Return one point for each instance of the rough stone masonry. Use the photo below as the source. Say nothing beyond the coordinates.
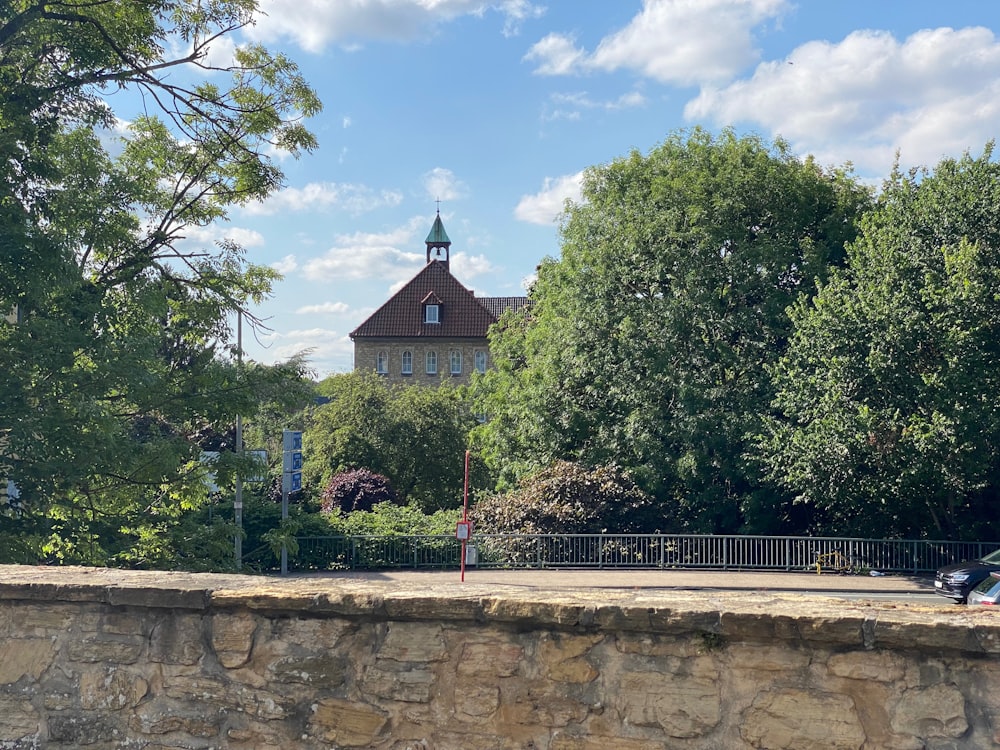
(101, 659)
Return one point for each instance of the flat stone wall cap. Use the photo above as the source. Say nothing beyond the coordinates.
(743, 614)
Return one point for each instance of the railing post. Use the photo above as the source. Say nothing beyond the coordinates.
(600, 551)
(354, 553)
(662, 550)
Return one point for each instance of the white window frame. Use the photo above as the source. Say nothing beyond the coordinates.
(431, 362)
(480, 361)
(406, 363)
(382, 362)
(455, 361)
(432, 313)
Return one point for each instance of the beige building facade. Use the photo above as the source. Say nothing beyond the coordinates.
(433, 330)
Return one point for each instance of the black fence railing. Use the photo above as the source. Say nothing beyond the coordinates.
(650, 551)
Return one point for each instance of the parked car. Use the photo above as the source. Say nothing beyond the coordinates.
(956, 581)
(987, 592)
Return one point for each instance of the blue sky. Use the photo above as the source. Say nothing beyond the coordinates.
(495, 108)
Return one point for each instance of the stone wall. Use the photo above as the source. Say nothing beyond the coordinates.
(100, 659)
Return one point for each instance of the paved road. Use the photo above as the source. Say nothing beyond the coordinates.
(887, 586)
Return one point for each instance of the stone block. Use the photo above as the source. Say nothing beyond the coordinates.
(232, 638)
(346, 724)
(323, 670)
(881, 666)
(111, 689)
(682, 706)
(930, 713)
(18, 720)
(413, 642)
(104, 651)
(798, 719)
(400, 682)
(177, 639)
(490, 659)
(20, 657)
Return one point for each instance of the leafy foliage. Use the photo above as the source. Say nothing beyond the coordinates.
(356, 489)
(568, 498)
(390, 519)
(648, 340)
(118, 351)
(887, 419)
(414, 436)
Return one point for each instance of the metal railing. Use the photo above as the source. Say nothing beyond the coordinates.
(650, 551)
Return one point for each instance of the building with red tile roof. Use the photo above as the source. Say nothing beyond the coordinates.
(433, 330)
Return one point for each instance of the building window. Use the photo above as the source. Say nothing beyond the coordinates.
(431, 314)
(407, 363)
(432, 363)
(456, 362)
(480, 361)
(382, 363)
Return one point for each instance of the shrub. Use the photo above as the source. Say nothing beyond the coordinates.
(569, 498)
(356, 489)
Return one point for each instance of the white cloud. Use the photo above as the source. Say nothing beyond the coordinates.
(517, 11)
(314, 24)
(355, 199)
(441, 184)
(546, 206)
(221, 53)
(286, 265)
(464, 266)
(671, 41)
(326, 308)
(327, 351)
(569, 106)
(362, 255)
(556, 55)
(215, 233)
(935, 94)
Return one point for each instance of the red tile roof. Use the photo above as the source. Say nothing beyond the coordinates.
(462, 315)
(497, 305)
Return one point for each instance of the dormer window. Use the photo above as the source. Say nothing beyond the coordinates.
(432, 308)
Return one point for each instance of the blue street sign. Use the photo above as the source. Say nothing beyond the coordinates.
(291, 481)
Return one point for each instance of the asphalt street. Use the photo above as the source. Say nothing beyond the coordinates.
(890, 586)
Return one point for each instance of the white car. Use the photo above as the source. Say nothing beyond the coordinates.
(986, 591)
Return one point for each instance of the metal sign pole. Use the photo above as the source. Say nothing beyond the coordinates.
(465, 512)
(291, 479)
(238, 502)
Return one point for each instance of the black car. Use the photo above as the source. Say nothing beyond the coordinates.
(956, 581)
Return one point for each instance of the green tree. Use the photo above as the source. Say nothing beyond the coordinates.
(118, 351)
(414, 435)
(887, 417)
(647, 340)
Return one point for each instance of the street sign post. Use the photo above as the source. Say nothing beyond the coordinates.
(291, 478)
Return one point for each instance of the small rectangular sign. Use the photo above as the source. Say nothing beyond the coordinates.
(291, 440)
(291, 481)
(292, 461)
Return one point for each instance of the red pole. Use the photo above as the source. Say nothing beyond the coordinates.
(465, 510)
